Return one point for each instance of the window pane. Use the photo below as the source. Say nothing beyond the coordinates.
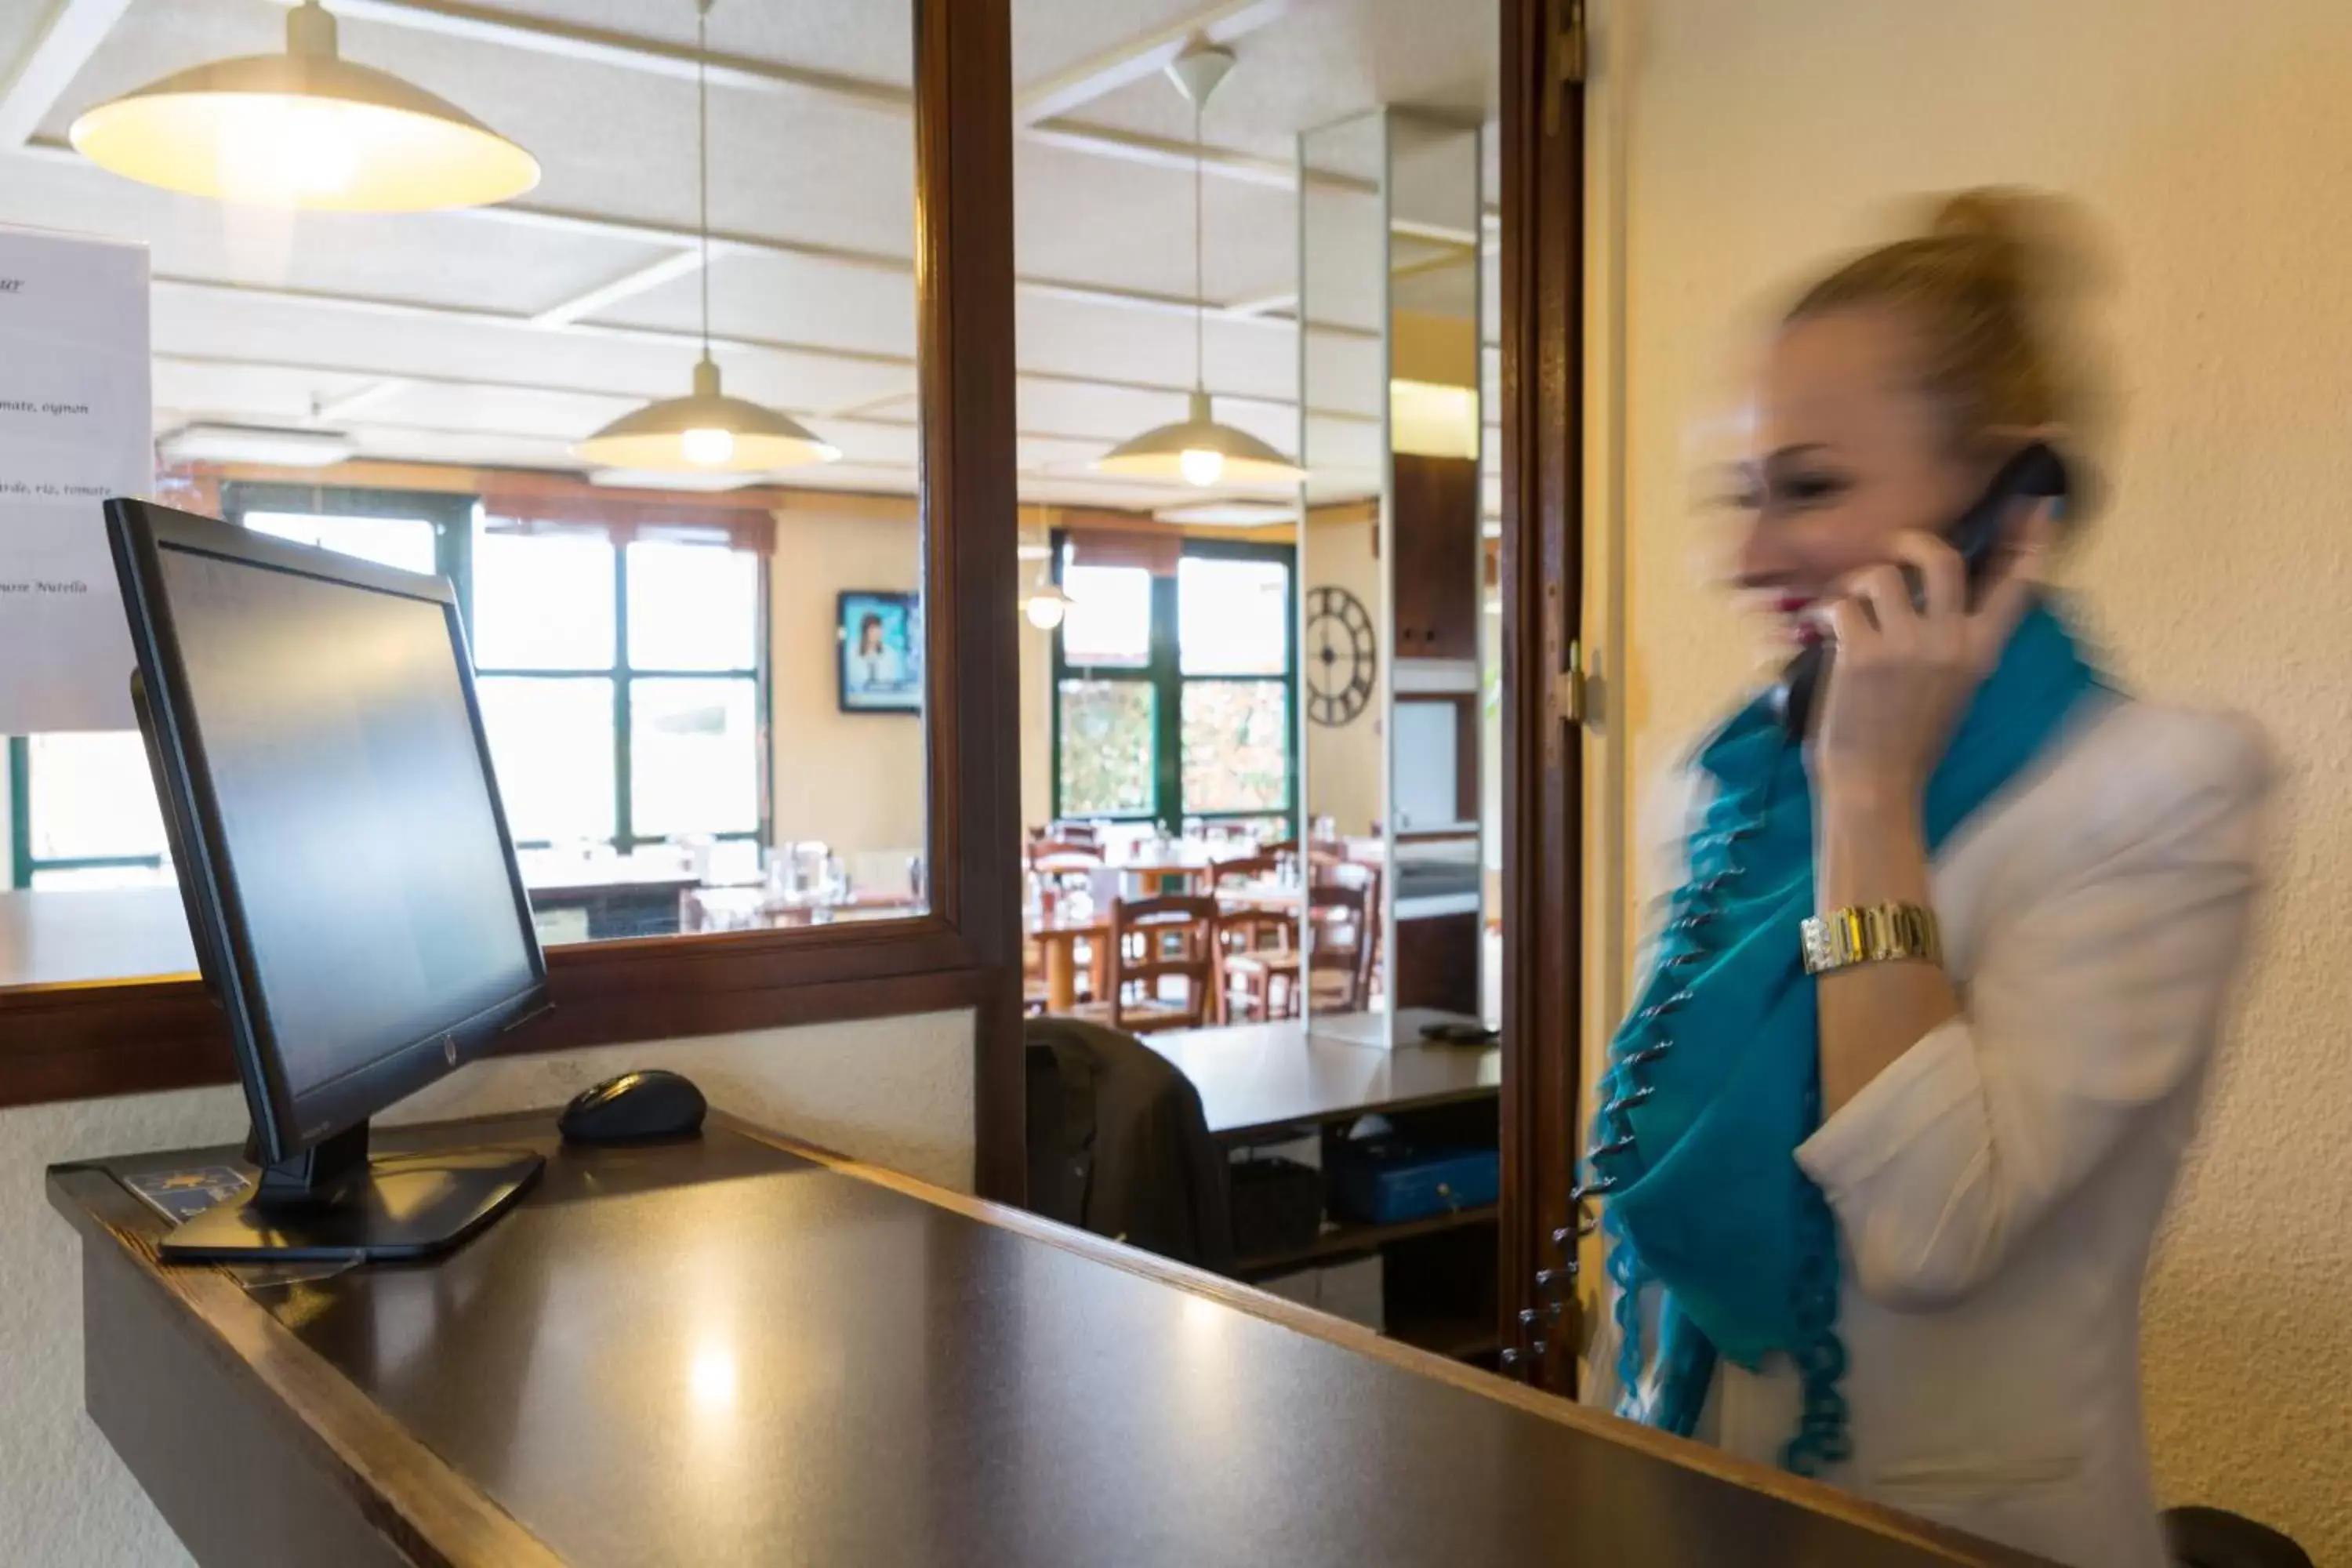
(541, 601)
(694, 757)
(552, 743)
(1232, 618)
(91, 796)
(1236, 749)
(693, 606)
(402, 543)
(1108, 625)
(1106, 760)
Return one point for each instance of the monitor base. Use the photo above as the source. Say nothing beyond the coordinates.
(395, 1207)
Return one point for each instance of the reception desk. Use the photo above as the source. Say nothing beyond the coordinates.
(736, 1351)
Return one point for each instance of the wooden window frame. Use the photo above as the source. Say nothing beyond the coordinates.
(83, 1041)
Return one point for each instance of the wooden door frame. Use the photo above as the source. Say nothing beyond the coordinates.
(1542, 588)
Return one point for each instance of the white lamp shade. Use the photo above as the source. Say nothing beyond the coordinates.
(1200, 451)
(1046, 607)
(705, 432)
(304, 129)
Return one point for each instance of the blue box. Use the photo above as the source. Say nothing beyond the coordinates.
(1382, 1182)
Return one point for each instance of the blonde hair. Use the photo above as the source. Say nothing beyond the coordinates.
(1981, 289)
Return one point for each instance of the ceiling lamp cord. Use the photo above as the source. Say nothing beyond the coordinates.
(1199, 276)
(706, 431)
(702, 151)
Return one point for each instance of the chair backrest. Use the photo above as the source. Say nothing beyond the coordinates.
(1119, 1144)
(1345, 922)
(1081, 833)
(1152, 939)
(1254, 931)
(1254, 869)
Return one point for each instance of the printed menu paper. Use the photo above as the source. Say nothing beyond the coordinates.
(75, 427)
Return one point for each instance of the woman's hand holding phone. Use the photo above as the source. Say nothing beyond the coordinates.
(1906, 670)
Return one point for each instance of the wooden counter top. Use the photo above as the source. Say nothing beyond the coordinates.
(736, 1351)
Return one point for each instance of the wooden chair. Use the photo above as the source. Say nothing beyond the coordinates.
(1344, 953)
(1064, 854)
(1085, 835)
(1248, 989)
(1257, 966)
(1152, 942)
(1255, 869)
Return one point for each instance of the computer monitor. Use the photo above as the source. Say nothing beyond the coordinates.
(350, 885)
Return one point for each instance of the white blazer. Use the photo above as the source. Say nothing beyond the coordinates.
(1998, 1187)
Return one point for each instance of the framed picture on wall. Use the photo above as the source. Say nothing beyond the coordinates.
(881, 651)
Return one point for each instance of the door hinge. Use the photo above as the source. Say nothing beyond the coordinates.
(1568, 688)
(1565, 64)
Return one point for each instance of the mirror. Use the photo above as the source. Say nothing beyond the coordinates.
(1396, 648)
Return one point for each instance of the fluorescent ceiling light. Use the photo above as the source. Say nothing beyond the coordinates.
(1434, 421)
(1229, 513)
(698, 482)
(256, 444)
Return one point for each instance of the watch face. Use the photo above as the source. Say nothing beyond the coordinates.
(1341, 659)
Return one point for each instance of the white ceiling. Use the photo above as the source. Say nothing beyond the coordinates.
(417, 334)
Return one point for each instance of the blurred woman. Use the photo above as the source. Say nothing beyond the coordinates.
(1886, 1138)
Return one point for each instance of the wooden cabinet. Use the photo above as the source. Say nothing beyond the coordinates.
(1437, 565)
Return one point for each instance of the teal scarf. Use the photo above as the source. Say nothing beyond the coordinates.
(1713, 1080)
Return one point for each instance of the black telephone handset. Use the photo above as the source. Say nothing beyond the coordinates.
(2035, 473)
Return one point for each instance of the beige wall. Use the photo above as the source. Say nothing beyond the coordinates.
(898, 1091)
(1346, 771)
(1036, 719)
(853, 780)
(1738, 144)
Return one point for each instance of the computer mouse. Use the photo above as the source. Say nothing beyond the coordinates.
(634, 1108)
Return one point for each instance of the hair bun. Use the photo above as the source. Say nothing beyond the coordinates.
(2040, 249)
(2001, 230)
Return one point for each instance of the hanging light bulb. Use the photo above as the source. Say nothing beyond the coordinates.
(304, 129)
(708, 448)
(1047, 608)
(1199, 450)
(706, 431)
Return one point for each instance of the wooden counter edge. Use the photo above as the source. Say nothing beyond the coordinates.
(1820, 1498)
(412, 1496)
(433, 1508)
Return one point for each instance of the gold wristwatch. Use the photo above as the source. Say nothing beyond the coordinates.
(1872, 933)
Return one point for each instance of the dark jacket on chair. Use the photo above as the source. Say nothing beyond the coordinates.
(1119, 1145)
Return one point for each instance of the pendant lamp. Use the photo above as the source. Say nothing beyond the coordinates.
(706, 431)
(1047, 605)
(304, 129)
(1199, 450)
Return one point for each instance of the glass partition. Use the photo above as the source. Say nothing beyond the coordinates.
(702, 670)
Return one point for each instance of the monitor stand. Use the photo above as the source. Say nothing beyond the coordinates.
(333, 1204)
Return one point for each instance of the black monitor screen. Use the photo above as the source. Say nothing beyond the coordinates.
(356, 815)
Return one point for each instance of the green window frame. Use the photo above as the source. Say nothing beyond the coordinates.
(1164, 674)
(452, 517)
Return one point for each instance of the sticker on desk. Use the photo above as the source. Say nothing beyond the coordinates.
(183, 1194)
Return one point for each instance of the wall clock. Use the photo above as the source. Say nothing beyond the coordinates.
(1342, 657)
